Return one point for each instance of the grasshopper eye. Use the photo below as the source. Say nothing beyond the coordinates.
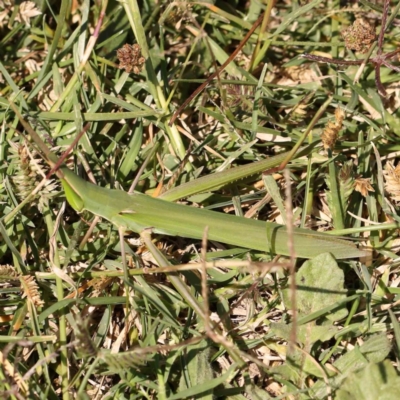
(73, 198)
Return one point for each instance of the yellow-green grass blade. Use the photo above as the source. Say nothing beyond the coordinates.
(220, 179)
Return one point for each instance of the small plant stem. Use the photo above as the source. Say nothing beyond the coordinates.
(67, 152)
(162, 393)
(133, 12)
(216, 73)
(308, 199)
(352, 312)
(263, 28)
(364, 63)
(121, 232)
(337, 211)
(337, 61)
(383, 27)
(186, 62)
(335, 49)
(293, 286)
(89, 232)
(360, 229)
(182, 288)
(62, 322)
(57, 35)
(142, 168)
(310, 127)
(85, 379)
(176, 281)
(92, 41)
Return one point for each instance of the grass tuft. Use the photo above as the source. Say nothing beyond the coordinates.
(206, 105)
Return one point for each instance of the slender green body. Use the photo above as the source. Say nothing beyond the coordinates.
(137, 212)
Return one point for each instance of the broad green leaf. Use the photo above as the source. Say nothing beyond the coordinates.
(319, 284)
(298, 366)
(256, 393)
(374, 350)
(306, 334)
(206, 386)
(198, 368)
(376, 381)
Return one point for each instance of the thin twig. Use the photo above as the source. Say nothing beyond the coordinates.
(289, 228)
(68, 151)
(337, 61)
(142, 168)
(216, 73)
(210, 332)
(383, 27)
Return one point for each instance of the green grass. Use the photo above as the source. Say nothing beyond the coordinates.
(87, 313)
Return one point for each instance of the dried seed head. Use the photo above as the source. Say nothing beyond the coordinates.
(346, 180)
(346, 172)
(339, 116)
(130, 58)
(392, 178)
(359, 36)
(30, 290)
(331, 131)
(177, 12)
(5, 14)
(329, 135)
(8, 273)
(363, 185)
(26, 172)
(27, 10)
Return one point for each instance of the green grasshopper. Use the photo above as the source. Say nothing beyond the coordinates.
(137, 212)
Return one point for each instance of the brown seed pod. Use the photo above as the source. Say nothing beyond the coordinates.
(359, 36)
(130, 58)
(392, 180)
(30, 290)
(331, 131)
(363, 185)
